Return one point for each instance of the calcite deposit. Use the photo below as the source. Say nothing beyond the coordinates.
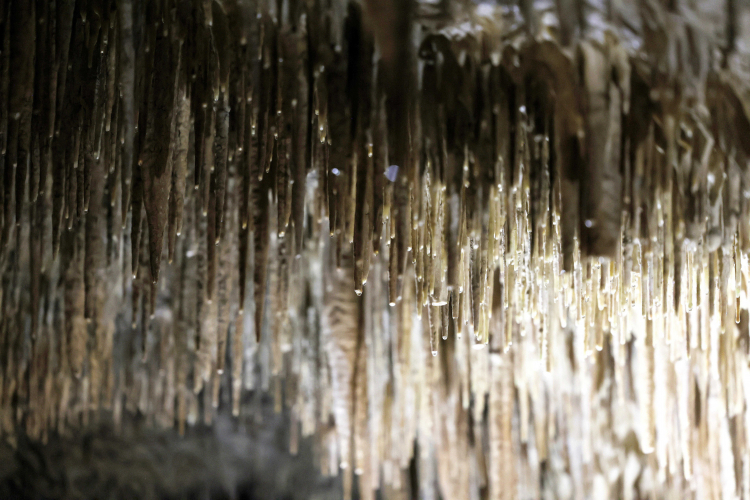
(489, 249)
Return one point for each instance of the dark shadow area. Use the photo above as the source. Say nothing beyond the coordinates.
(243, 459)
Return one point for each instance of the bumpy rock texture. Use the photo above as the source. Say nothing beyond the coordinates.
(490, 249)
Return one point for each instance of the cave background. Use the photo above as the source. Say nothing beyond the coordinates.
(244, 458)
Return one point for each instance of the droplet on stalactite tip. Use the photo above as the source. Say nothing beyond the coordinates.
(607, 219)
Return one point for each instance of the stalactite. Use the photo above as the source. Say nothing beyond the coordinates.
(518, 237)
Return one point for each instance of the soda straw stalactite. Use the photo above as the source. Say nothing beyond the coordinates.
(471, 249)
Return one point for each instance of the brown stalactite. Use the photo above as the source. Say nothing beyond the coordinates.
(550, 199)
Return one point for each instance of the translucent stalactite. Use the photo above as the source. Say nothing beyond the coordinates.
(514, 236)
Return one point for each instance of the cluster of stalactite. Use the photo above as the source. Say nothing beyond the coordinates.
(501, 245)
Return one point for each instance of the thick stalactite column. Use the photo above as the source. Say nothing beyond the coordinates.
(469, 249)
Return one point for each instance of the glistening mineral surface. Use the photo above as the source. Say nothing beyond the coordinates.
(504, 241)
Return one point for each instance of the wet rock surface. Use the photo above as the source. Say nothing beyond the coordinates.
(513, 236)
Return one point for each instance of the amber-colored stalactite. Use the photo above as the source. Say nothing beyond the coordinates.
(477, 249)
